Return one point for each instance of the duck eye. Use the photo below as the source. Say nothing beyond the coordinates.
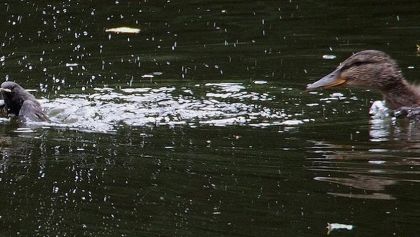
(354, 64)
(358, 63)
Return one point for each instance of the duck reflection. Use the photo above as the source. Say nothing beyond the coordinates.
(362, 182)
(355, 175)
(366, 169)
(389, 129)
(359, 181)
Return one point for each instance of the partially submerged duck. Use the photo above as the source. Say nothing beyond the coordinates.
(373, 69)
(20, 103)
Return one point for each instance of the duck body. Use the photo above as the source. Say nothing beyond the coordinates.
(20, 103)
(373, 69)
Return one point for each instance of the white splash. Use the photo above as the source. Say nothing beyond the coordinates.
(105, 110)
(378, 110)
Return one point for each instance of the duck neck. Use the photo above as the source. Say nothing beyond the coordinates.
(401, 94)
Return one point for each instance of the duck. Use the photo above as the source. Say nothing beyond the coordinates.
(374, 70)
(20, 103)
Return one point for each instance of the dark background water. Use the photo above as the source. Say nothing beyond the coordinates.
(199, 125)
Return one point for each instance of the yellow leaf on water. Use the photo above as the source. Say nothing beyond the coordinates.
(124, 29)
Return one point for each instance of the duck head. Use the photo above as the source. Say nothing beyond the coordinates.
(369, 69)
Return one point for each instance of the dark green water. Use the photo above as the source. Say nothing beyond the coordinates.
(199, 125)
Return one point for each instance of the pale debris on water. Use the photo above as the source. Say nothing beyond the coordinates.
(336, 226)
(123, 29)
(260, 82)
(328, 56)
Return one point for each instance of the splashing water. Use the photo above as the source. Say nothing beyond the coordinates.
(223, 104)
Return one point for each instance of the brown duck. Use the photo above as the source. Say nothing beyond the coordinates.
(373, 69)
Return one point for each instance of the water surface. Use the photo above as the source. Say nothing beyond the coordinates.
(199, 125)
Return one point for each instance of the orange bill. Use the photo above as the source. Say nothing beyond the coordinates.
(331, 80)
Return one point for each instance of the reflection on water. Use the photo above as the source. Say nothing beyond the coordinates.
(381, 129)
(375, 196)
(358, 181)
(395, 129)
(363, 183)
(369, 171)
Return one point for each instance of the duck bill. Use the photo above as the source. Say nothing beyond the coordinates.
(331, 80)
(5, 90)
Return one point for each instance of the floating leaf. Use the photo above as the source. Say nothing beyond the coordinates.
(328, 56)
(337, 226)
(124, 29)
